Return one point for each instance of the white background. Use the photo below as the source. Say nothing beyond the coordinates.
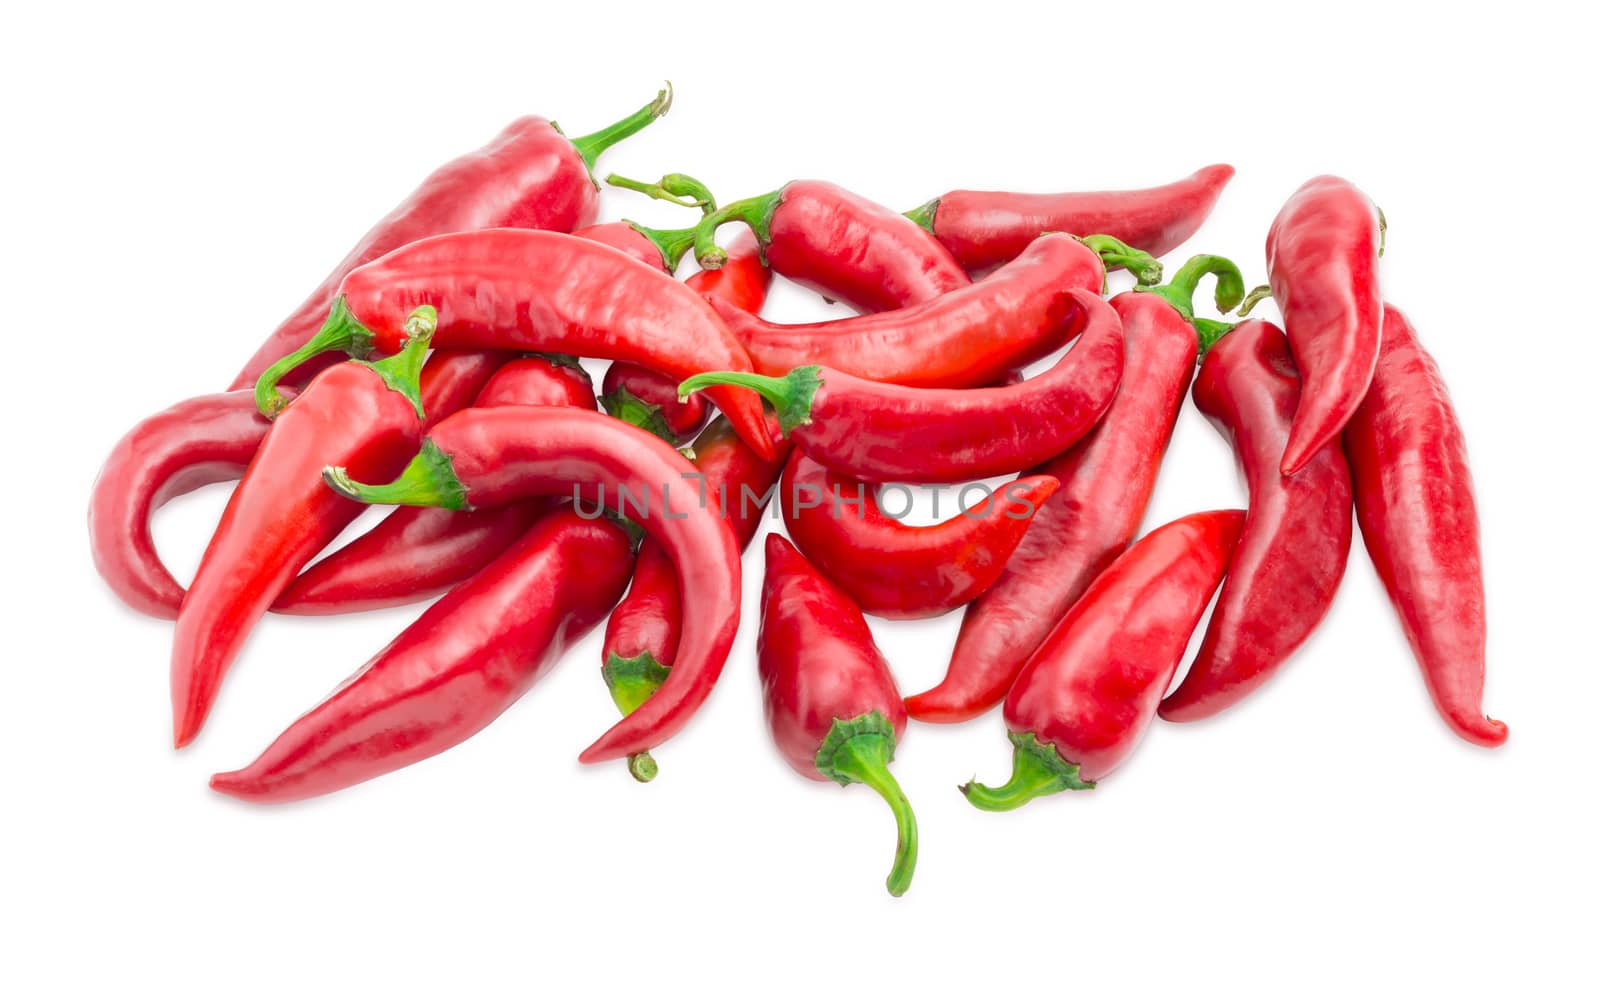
(177, 179)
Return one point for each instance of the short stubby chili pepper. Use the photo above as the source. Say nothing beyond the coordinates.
(1296, 537)
(649, 400)
(969, 337)
(1322, 262)
(842, 245)
(1089, 692)
(453, 671)
(1106, 482)
(898, 571)
(880, 432)
(481, 458)
(1413, 493)
(535, 291)
(830, 698)
(368, 415)
(416, 553)
(984, 230)
(530, 175)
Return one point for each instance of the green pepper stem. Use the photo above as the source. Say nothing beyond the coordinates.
(402, 370)
(340, 332)
(791, 395)
(1036, 770)
(923, 215)
(592, 146)
(1117, 254)
(1179, 294)
(632, 681)
(865, 758)
(674, 187)
(755, 211)
(1252, 298)
(427, 480)
(672, 245)
(630, 409)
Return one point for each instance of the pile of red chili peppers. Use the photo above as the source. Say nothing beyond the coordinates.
(536, 510)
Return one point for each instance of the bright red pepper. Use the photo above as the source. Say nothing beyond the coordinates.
(893, 570)
(366, 415)
(453, 671)
(1087, 695)
(1296, 536)
(649, 400)
(1106, 482)
(1413, 493)
(831, 700)
(536, 291)
(1322, 261)
(481, 458)
(882, 432)
(985, 230)
(742, 281)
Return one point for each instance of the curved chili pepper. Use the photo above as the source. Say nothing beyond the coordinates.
(985, 230)
(416, 553)
(968, 337)
(880, 432)
(1087, 695)
(831, 700)
(1413, 494)
(530, 175)
(1322, 262)
(649, 400)
(483, 458)
(535, 291)
(1296, 536)
(453, 671)
(366, 414)
(1106, 482)
(897, 571)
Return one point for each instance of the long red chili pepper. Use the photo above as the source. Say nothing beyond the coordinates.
(891, 569)
(831, 700)
(1296, 536)
(1322, 262)
(882, 432)
(535, 291)
(1413, 493)
(1087, 695)
(366, 415)
(449, 674)
(984, 230)
(483, 458)
(1106, 482)
(415, 552)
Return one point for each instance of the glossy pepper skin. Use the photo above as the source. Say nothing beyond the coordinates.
(1413, 493)
(830, 698)
(881, 432)
(1080, 705)
(984, 230)
(415, 552)
(368, 416)
(530, 175)
(453, 671)
(841, 245)
(481, 458)
(1296, 537)
(535, 291)
(1322, 262)
(893, 570)
(1106, 482)
(650, 400)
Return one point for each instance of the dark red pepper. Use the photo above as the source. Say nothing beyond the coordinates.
(449, 674)
(1296, 536)
(649, 400)
(1413, 493)
(831, 700)
(1087, 695)
(984, 230)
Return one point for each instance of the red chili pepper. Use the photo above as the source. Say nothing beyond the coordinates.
(831, 700)
(1413, 493)
(453, 671)
(482, 458)
(985, 230)
(416, 553)
(881, 432)
(1322, 261)
(1296, 536)
(1106, 482)
(1087, 695)
(897, 571)
(536, 291)
(649, 400)
(530, 175)
(279, 517)
(742, 281)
